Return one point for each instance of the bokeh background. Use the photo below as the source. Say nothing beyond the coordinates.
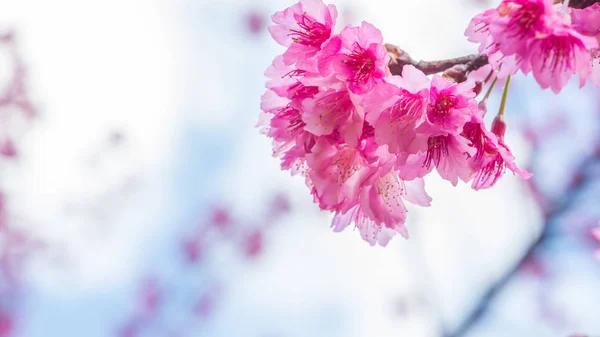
(137, 198)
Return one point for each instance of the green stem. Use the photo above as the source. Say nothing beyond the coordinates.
(504, 95)
(489, 91)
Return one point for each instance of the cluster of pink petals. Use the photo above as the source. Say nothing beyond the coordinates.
(537, 36)
(362, 138)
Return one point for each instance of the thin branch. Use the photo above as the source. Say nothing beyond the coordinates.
(400, 58)
(552, 213)
(582, 3)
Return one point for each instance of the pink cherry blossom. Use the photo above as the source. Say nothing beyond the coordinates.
(337, 172)
(492, 155)
(362, 60)
(282, 121)
(334, 110)
(397, 108)
(478, 31)
(587, 22)
(381, 212)
(451, 105)
(303, 28)
(518, 22)
(555, 57)
(449, 153)
(364, 139)
(535, 36)
(286, 81)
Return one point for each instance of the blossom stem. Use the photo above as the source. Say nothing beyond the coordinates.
(489, 91)
(504, 95)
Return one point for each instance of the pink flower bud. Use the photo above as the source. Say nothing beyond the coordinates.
(499, 127)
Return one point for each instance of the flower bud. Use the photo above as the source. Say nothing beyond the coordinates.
(499, 127)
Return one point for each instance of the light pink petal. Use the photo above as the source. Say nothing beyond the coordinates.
(415, 192)
(326, 56)
(368, 34)
(411, 167)
(595, 71)
(342, 220)
(413, 79)
(271, 101)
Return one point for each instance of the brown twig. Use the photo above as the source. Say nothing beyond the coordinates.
(462, 65)
(582, 3)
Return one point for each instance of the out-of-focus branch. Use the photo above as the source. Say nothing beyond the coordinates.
(552, 211)
(464, 65)
(582, 3)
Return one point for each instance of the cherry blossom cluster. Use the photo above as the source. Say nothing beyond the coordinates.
(552, 41)
(363, 138)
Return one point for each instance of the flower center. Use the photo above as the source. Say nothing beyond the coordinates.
(390, 189)
(558, 53)
(310, 32)
(334, 107)
(405, 111)
(360, 62)
(525, 19)
(490, 173)
(437, 148)
(299, 91)
(292, 115)
(440, 109)
(473, 132)
(345, 165)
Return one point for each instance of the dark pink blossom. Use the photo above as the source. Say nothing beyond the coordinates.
(334, 110)
(337, 172)
(381, 212)
(361, 137)
(448, 154)
(397, 108)
(451, 105)
(478, 31)
(535, 36)
(518, 22)
(363, 60)
(303, 28)
(556, 56)
(492, 156)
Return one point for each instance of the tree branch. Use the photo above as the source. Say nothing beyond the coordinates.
(462, 65)
(582, 3)
(553, 211)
